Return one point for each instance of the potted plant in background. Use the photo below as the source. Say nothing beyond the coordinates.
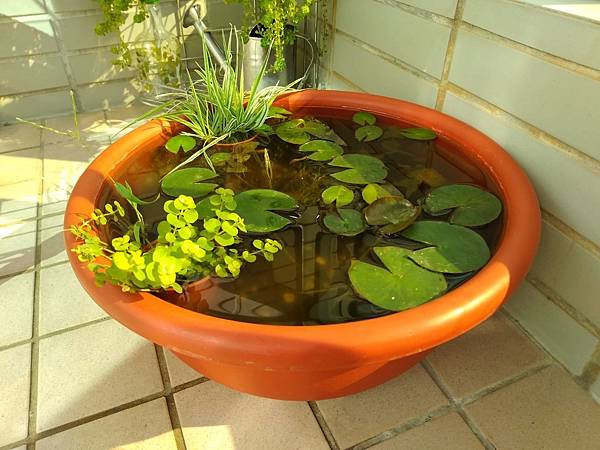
(359, 172)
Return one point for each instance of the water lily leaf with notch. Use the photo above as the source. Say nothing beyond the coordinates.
(345, 222)
(277, 112)
(401, 285)
(454, 248)
(127, 193)
(188, 181)
(396, 213)
(472, 206)
(418, 176)
(361, 169)
(372, 192)
(220, 158)
(341, 195)
(180, 142)
(322, 150)
(364, 118)
(368, 133)
(419, 134)
(255, 206)
(292, 131)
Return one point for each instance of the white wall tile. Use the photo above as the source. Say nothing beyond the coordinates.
(78, 32)
(560, 102)
(378, 76)
(72, 5)
(34, 106)
(96, 66)
(417, 41)
(32, 73)
(108, 95)
(570, 38)
(570, 270)
(27, 36)
(566, 340)
(442, 7)
(587, 9)
(21, 7)
(558, 177)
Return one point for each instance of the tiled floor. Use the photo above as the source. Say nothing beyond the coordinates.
(72, 378)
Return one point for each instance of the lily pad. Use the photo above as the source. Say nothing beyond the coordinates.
(341, 195)
(396, 213)
(454, 248)
(401, 285)
(472, 206)
(322, 150)
(368, 133)
(189, 182)
(293, 132)
(180, 142)
(372, 192)
(419, 134)
(220, 158)
(127, 193)
(256, 205)
(419, 176)
(276, 112)
(361, 169)
(345, 222)
(364, 118)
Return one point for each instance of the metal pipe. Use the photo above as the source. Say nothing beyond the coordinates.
(192, 18)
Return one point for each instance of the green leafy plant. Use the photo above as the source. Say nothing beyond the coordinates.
(188, 247)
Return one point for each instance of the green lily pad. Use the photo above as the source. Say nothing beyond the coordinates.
(419, 134)
(276, 112)
(454, 248)
(255, 206)
(368, 133)
(188, 182)
(472, 206)
(341, 195)
(364, 118)
(127, 193)
(220, 158)
(372, 192)
(396, 213)
(401, 285)
(180, 142)
(293, 132)
(361, 169)
(345, 222)
(419, 176)
(322, 150)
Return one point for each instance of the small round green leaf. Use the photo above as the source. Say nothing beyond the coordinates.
(188, 182)
(341, 195)
(368, 133)
(361, 169)
(400, 285)
(454, 248)
(345, 222)
(220, 158)
(364, 118)
(322, 150)
(472, 206)
(396, 213)
(372, 192)
(180, 142)
(418, 134)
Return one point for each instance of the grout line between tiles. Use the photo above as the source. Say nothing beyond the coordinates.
(443, 84)
(346, 80)
(413, 423)
(416, 11)
(171, 406)
(329, 437)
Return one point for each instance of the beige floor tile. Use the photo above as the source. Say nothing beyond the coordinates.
(16, 308)
(91, 369)
(92, 128)
(52, 240)
(15, 366)
(63, 302)
(179, 372)
(545, 411)
(358, 417)
(63, 165)
(20, 166)
(144, 427)
(20, 198)
(449, 432)
(214, 417)
(492, 352)
(18, 136)
(17, 248)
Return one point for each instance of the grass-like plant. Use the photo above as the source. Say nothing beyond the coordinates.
(215, 108)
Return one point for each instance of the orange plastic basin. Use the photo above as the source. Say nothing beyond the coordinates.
(324, 361)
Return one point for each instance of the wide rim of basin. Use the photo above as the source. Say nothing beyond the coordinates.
(321, 347)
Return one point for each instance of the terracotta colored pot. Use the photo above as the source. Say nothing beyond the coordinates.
(317, 362)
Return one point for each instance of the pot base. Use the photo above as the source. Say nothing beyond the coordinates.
(301, 385)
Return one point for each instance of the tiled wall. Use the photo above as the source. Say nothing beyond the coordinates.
(529, 77)
(48, 47)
